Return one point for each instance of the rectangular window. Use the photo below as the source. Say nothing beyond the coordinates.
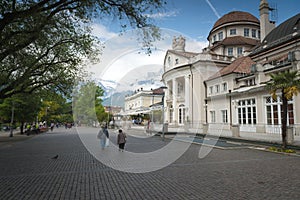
(253, 33)
(269, 115)
(244, 115)
(240, 51)
(214, 38)
(179, 89)
(290, 114)
(224, 116)
(217, 88)
(180, 116)
(250, 82)
(246, 32)
(213, 116)
(232, 32)
(224, 87)
(230, 51)
(247, 111)
(258, 34)
(240, 115)
(274, 111)
(254, 114)
(171, 114)
(211, 90)
(220, 36)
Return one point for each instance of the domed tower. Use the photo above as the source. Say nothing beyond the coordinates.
(234, 34)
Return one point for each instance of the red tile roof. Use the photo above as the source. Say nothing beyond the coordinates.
(235, 16)
(236, 40)
(240, 65)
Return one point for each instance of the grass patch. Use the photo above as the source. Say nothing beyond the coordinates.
(275, 149)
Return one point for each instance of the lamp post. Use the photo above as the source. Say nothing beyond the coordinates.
(163, 112)
(12, 119)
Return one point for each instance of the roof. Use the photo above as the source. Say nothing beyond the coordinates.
(286, 28)
(184, 53)
(282, 34)
(235, 16)
(237, 40)
(240, 65)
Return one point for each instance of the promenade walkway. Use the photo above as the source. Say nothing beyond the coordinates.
(226, 134)
(57, 165)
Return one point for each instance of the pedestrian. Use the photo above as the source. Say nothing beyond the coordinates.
(121, 140)
(103, 136)
(52, 126)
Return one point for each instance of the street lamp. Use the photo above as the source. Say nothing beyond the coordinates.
(163, 111)
(12, 119)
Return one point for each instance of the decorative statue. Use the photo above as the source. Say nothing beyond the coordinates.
(178, 43)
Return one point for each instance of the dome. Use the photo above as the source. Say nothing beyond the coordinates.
(235, 16)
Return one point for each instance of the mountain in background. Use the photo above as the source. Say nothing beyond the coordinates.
(115, 92)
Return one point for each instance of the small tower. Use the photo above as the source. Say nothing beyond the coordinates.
(266, 26)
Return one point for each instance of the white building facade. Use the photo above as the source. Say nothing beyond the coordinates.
(225, 84)
(141, 100)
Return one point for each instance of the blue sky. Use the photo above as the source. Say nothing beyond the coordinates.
(195, 18)
(190, 18)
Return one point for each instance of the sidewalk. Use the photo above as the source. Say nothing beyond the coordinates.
(6, 140)
(260, 138)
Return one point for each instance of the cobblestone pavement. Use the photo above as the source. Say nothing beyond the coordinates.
(27, 171)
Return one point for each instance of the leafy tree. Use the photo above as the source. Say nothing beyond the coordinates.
(87, 104)
(55, 108)
(44, 43)
(288, 83)
(26, 108)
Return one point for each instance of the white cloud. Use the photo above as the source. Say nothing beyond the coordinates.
(161, 15)
(102, 32)
(120, 57)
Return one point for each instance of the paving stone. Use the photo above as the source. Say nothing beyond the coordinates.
(27, 171)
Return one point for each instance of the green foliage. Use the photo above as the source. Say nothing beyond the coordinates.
(44, 44)
(55, 108)
(275, 149)
(25, 107)
(87, 105)
(288, 83)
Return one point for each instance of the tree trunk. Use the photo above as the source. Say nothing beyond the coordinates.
(22, 128)
(284, 119)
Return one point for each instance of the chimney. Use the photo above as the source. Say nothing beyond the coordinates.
(266, 26)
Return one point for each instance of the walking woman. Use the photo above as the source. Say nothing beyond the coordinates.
(121, 140)
(103, 135)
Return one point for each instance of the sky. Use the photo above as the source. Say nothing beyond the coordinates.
(196, 17)
(191, 18)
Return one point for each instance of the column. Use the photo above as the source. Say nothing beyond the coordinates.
(187, 95)
(175, 109)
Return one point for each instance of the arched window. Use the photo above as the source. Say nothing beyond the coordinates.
(171, 114)
(181, 114)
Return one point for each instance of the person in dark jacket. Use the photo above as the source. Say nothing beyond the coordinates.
(121, 140)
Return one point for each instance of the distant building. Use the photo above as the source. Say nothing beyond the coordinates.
(112, 109)
(142, 101)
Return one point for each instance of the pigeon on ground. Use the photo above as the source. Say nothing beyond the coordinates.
(55, 157)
